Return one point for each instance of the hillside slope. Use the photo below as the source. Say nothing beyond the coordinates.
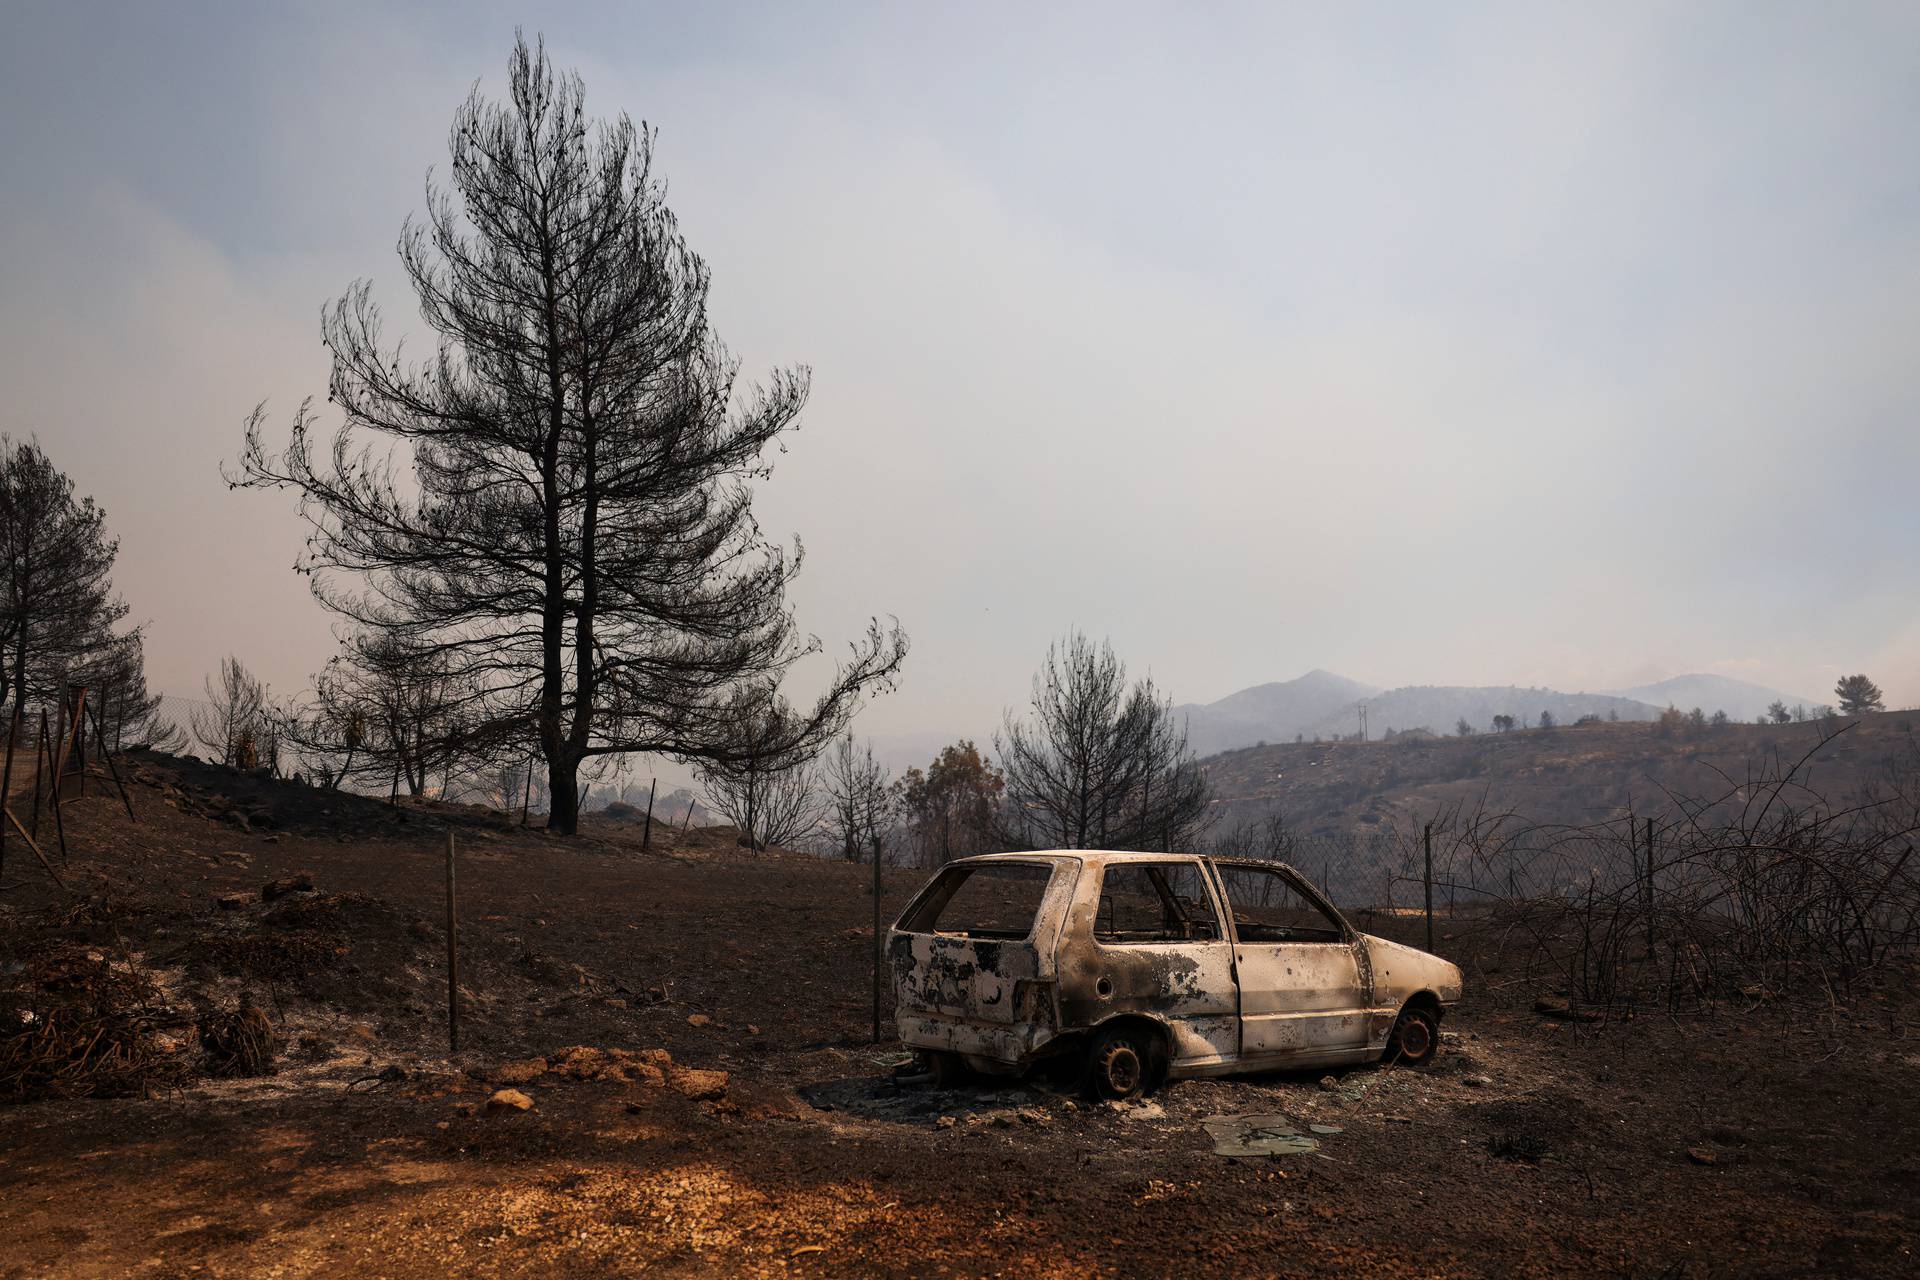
(1567, 775)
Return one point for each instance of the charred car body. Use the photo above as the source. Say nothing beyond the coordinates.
(1150, 966)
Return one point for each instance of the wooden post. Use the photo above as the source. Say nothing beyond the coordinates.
(8, 813)
(453, 959)
(6, 783)
(646, 836)
(1649, 888)
(79, 719)
(56, 745)
(53, 803)
(879, 945)
(1427, 840)
(40, 754)
(106, 757)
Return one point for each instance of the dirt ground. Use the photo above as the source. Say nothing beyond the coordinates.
(1754, 1141)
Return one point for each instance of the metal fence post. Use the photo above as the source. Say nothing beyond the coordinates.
(876, 940)
(453, 959)
(1426, 840)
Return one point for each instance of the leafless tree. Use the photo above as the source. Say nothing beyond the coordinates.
(860, 800)
(575, 537)
(1271, 838)
(1101, 764)
(233, 723)
(756, 784)
(387, 712)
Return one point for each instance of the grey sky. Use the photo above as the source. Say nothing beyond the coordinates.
(1515, 345)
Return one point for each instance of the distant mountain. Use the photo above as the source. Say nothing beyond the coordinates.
(1441, 707)
(1269, 712)
(1739, 699)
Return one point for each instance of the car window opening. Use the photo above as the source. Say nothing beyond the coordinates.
(1155, 902)
(991, 901)
(1268, 908)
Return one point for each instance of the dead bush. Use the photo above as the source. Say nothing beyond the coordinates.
(242, 1042)
(76, 1024)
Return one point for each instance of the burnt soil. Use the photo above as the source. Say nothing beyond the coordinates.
(1769, 1138)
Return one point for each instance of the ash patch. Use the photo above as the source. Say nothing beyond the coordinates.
(898, 1101)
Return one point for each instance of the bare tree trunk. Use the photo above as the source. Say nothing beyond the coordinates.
(563, 796)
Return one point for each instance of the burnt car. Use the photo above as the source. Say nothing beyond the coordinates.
(1144, 967)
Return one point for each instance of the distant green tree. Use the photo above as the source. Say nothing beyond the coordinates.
(1719, 719)
(1858, 695)
(1697, 720)
(1546, 720)
(1503, 724)
(950, 808)
(1462, 729)
(1777, 713)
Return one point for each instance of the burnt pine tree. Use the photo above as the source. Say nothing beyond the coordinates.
(1099, 765)
(383, 713)
(563, 509)
(57, 606)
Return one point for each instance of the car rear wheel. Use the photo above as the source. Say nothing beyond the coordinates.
(1415, 1038)
(1120, 1064)
(949, 1070)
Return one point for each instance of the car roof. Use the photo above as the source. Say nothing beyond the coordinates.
(1111, 857)
(1078, 855)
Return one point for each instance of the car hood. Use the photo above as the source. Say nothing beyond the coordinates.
(1400, 971)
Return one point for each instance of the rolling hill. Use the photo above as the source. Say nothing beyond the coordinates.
(1738, 698)
(1438, 708)
(1269, 712)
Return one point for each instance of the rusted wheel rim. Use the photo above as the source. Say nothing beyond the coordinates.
(1122, 1069)
(1416, 1038)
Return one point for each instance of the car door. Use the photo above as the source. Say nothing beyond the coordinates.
(1159, 947)
(1302, 992)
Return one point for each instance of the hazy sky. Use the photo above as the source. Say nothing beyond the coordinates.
(1428, 344)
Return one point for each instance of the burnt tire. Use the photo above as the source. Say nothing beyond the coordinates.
(1415, 1038)
(1120, 1065)
(948, 1069)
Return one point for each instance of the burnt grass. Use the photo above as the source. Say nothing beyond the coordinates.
(1772, 1136)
